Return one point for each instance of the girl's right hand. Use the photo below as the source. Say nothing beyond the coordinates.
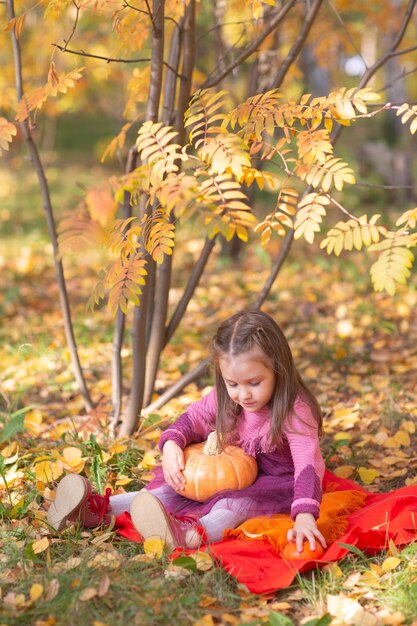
(173, 464)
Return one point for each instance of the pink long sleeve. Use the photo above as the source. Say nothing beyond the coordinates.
(195, 424)
(302, 436)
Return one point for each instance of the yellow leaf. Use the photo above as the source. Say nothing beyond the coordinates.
(342, 436)
(390, 563)
(367, 475)
(344, 471)
(33, 422)
(203, 561)
(154, 547)
(41, 545)
(46, 471)
(36, 591)
(117, 448)
(207, 620)
(333, 569)
(393, 550)
(402, 437)
(149, 460)
(376, 569)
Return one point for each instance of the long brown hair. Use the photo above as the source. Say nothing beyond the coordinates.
(240, 334)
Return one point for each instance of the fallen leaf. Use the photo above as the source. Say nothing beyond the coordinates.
(104, 586)
(390, 563)
(154, 547)
(391, 619)
(207, 620)
(41, 545)
(88, 594)
(367, 476)
(349, 611)
(35, 592)
(333, 569)
(203, 561)
(52, 590)
(176, 571)
(344, 471)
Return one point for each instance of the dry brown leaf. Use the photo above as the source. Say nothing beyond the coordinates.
(88, 594)
(104, 585)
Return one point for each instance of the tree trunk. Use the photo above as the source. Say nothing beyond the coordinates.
(134, 408)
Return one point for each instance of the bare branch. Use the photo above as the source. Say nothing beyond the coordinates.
(74, 28)
(81, 53)
(298, 44)
(343, 25)
(392, 50)
(274, 22)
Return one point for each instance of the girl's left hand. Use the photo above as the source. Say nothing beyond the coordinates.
(305, 527)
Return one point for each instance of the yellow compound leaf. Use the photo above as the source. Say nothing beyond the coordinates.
(390, 563)
(41, 545)
(367, 475)
(36, 591)
(154, 547)
(7, 132)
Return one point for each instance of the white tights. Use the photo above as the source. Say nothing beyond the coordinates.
(226, 513)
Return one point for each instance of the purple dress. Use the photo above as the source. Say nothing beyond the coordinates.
(289, 476)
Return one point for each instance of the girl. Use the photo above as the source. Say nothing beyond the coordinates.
(259, 403)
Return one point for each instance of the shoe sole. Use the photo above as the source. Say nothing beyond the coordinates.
(70, 494)
(151, 519)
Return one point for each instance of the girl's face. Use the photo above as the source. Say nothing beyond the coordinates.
(249, 381)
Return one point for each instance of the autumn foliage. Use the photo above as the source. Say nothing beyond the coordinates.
(201, 136)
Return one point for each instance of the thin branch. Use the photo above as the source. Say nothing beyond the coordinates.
(111, 59)
(274, 22)
(222, 25)
(388, 187)
(81, 53)
(392, 50)
(399, 77)
(50, 220)
(349, 36)
(189, 290)
(297, 45)
(120, 321)
(74, 28)
(185, 380)
(404, 51)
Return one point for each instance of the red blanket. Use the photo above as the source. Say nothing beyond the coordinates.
(256, 564)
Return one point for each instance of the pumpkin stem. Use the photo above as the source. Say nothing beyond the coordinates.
(212, 445)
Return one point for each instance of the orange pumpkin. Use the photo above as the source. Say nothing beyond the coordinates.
(209, 469)
(291, 553)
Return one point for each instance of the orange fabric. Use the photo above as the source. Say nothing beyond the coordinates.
(332, 523)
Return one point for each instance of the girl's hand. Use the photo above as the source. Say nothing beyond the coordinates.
(173, 464)
(305, 527)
